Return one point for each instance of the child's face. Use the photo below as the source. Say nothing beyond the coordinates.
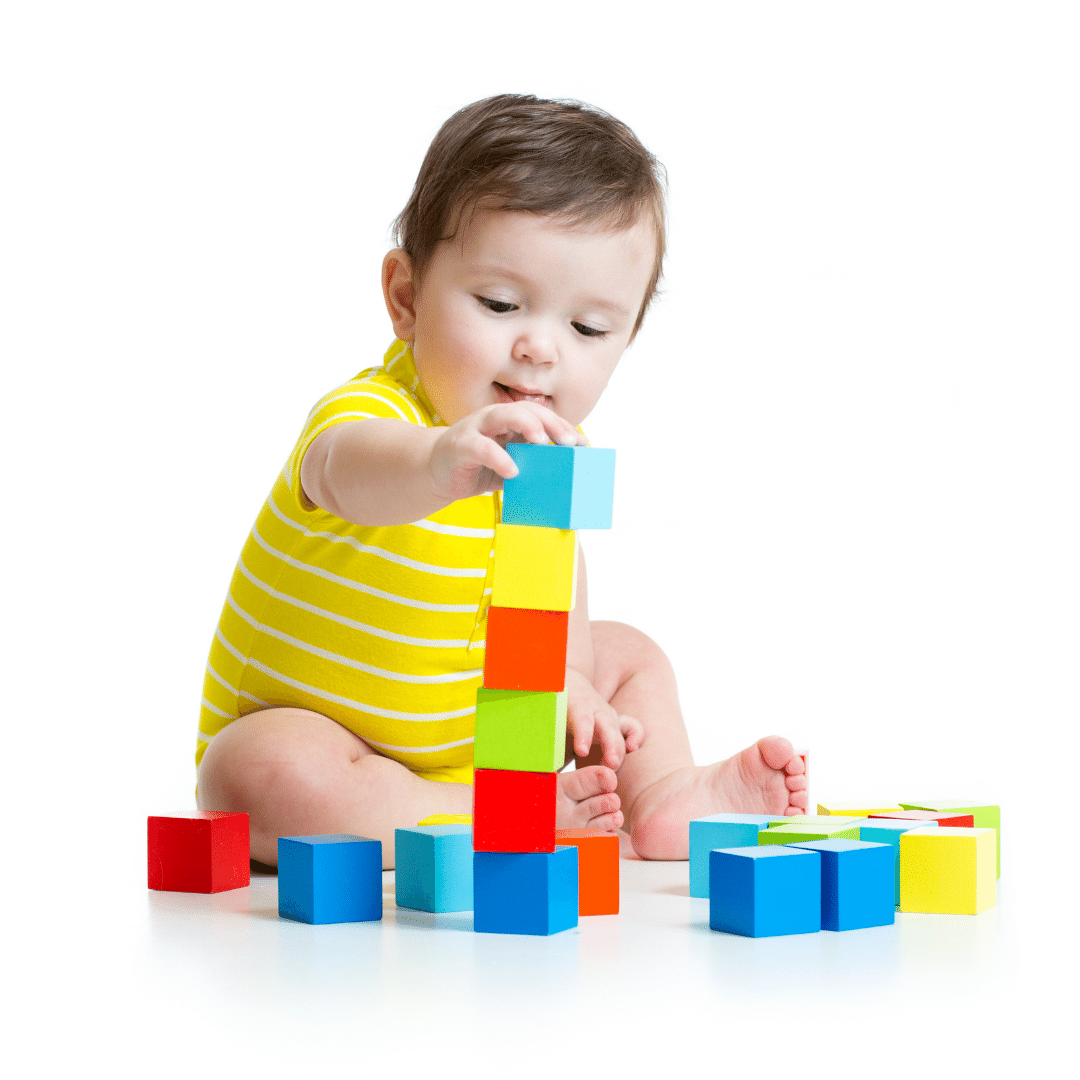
(517, 307)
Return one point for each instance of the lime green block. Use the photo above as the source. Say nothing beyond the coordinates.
(799, 834)
(986, 816)
(521, 730)
(818, 819)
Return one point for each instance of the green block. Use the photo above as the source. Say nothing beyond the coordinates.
(986, 816)
(799, 834)
(817, 819)
(521, 730)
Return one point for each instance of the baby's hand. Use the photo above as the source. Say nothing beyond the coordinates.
(469, 458)
(590, 720)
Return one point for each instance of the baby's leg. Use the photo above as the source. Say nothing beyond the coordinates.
(660, 788)
(298, 773)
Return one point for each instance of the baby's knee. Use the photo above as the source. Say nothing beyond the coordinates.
(628, 648)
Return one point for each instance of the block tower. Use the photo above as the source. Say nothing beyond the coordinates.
(523, 882)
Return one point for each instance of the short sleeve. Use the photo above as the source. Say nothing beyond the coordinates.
(365, 397)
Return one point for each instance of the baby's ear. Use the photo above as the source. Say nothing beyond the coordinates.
(399, 292)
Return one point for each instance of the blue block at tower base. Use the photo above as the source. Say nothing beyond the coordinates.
(856, 883)
(721, 831)
(525, 893)
(330, 879)
(434, 868)
(560, 487)
(765, 891)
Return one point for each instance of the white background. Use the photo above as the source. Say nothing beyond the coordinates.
(846, 501)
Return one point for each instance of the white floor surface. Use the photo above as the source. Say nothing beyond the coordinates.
(164, 984)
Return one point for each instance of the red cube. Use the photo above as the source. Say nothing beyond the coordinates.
(956, 821)
(203, 851)
(525, 650)
(513, 811)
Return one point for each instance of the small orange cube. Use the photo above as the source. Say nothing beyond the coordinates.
(598, 869)
(526, 649)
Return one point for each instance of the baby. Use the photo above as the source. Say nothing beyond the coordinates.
(341, 685)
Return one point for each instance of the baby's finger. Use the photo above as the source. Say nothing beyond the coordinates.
(583, 728)
(633, 732)
(611, 741)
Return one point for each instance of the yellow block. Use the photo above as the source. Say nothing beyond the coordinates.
(446, 819)
(948, 871)
(534, 568)
(816, 819)
(859, 809)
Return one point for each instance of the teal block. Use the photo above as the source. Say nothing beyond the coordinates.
(434, 868)
(884, 831)
(721, 831)
(765, 891)
(856, 883)
(560, 487)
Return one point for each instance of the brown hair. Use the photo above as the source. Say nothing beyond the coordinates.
(519, 152)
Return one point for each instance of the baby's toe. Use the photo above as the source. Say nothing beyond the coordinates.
(581, 784)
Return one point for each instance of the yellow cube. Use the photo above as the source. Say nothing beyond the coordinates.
(446, 819)
(948, 871)
(535, 568)
(859, 809)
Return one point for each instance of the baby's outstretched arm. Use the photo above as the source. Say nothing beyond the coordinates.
(590, 719)
(389, 472)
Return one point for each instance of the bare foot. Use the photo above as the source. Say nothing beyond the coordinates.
(766, 778)
(587, 799)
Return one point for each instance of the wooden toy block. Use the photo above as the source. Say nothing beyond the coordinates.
(856, 809)
(526, 649)
(948, 819)
(986, 815)
(335, 878)
(791, 834)
(722, 831)
(445, 819)
(815, 819)
(598, 869)
(434, 868)
(525, 893)
(947, 871)
(534, 568)
(765, 891)
(856, 883)
(523, 730)
(884, 831)
(560, 487)
(514, 811)
(204, 851)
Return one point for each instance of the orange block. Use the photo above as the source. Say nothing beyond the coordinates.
(526, 649)
(598, 869)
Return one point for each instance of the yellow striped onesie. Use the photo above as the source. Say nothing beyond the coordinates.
(379, 628)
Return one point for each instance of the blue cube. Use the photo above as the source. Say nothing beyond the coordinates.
(856, 883)
(765, 891)
(560, 487)
(721, 831)
(434, 868)
(525, 893)
(330, 879)
(886, 831)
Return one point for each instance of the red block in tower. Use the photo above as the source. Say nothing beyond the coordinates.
(514, 811)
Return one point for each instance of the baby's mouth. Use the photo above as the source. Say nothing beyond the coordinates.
(512, 394)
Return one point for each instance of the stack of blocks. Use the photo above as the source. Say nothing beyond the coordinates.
(523, 881)
(866, 861)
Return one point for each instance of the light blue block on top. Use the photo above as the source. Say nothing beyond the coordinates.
(765, 891)
(721, 831)
(889, 831)
(434, 868)
(856, 883)
(333, 878)
(560, 487)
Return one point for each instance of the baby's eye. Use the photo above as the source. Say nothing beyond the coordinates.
(499, 306)
(588, 331)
